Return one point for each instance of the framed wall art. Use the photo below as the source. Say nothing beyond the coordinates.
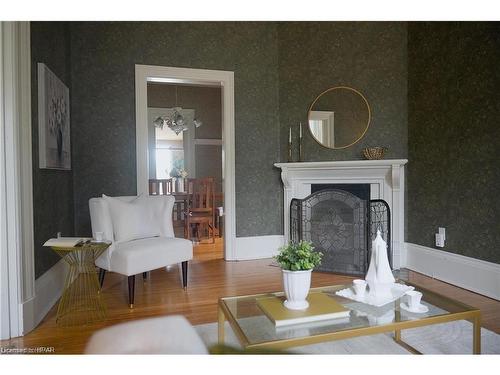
(54, 142)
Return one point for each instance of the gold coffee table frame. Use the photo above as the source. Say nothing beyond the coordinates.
(81, 301)
(454, 310)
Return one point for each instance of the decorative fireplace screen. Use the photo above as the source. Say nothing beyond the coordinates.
(341, 226)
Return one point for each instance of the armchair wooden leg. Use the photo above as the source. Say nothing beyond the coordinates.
(102, 273)
(131, 290)
(185, 274)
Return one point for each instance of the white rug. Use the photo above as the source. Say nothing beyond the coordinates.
(447, 338)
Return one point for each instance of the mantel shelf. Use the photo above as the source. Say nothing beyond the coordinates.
(342, 164)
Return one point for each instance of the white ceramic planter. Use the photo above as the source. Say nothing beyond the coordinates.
(296, 285)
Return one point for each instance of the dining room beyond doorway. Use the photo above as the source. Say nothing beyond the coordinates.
(185, 160)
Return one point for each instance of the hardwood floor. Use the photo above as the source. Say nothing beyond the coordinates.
(209, 278)
(206, 250)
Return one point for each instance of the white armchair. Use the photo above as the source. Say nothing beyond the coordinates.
(142, 236)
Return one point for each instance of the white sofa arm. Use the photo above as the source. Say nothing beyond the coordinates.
(165, 335)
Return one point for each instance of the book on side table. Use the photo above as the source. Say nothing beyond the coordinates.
(66, 241)
(321, 307)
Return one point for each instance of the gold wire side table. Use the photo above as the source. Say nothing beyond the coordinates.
(81, 301)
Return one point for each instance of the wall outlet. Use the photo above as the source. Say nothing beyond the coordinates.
(439, 240)
(442, 232)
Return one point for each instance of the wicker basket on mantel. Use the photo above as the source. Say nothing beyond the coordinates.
(374, 153)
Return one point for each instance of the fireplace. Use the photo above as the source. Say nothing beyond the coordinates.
(385, 178)
(362, 191)
(336, 222)
(341, 225)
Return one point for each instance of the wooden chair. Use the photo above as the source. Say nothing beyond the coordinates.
(201, 205)
(160, 187)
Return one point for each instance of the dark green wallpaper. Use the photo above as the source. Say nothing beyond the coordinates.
(454, 136)
(103, 96)
(368, 56)
(206, 102)
(306, 58)
(52, 189)
(432, 88)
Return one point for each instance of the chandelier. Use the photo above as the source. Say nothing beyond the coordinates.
(176, 121)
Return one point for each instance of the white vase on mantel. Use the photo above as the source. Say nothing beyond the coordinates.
(379, 276)
(296, 285)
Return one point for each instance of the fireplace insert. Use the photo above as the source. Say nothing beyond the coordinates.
(341, 225)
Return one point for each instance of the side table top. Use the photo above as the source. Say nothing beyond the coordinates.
(87, 246)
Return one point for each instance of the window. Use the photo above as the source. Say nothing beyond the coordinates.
(168, 159)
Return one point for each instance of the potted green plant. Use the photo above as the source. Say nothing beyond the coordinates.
(297, 260)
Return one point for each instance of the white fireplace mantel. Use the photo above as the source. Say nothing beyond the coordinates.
(386, 179)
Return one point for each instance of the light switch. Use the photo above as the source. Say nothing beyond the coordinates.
(442, 232)
(439, 240)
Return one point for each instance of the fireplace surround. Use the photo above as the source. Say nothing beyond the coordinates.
(385, 177)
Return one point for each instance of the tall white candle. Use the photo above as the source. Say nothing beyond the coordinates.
(290, 136)
(300, 130)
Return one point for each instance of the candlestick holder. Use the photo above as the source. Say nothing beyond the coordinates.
(301, 150)
(290, 159)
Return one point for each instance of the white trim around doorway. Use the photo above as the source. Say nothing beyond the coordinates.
(202, 77)
(17, 276)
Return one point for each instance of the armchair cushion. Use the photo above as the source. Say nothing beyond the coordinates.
(161, 207)
(143, 255)
(132, 220)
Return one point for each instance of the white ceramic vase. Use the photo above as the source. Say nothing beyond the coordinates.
(379, 276)
(296, 285)
(180, 185)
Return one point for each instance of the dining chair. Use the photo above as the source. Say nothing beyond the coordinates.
(201, 206)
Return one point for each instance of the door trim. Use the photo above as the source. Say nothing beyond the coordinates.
(202, 77)
(17, 281)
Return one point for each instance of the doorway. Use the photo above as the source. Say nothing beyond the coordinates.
(202, 147)
(185, 150)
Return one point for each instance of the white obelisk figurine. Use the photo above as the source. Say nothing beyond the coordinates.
(379, 276)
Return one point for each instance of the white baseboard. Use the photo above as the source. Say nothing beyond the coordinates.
(48, 289)
(258, 247)
(473, 274)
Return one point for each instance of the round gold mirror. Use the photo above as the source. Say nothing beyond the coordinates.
(339, 117)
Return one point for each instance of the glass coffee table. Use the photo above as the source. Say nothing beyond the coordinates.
(254, 330)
